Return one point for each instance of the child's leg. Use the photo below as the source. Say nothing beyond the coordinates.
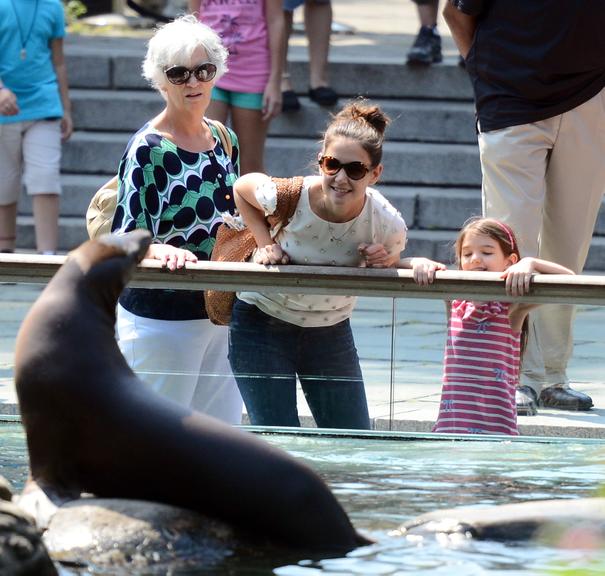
(8, 226)
(288, 17)
(42, 160)
(10, 185)
(318, 24)
(251, 130)
(218, 110)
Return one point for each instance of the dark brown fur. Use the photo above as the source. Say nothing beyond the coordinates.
(93, 426)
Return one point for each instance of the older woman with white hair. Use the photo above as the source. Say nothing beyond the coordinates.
(175, 180)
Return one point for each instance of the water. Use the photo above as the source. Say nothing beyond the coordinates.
(383, 483)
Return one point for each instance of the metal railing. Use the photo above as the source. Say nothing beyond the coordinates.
(393, 283)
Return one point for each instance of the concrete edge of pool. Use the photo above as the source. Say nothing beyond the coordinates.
(394, 434)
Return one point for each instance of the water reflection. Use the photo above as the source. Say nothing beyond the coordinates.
(383, 483)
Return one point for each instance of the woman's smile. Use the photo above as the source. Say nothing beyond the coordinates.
(339, 191)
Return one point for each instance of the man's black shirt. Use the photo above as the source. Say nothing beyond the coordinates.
(534, 59)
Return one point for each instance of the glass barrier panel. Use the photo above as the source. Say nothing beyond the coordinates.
(400, 343)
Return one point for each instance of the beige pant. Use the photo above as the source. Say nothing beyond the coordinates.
(547, 180)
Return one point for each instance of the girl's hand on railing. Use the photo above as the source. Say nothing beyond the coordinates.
(170, 256)
(424, 269)
(518, 277)
(270, 254)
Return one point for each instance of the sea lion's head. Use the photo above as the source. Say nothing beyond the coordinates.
(108, 262)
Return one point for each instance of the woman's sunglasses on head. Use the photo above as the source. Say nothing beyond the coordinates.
(181, 74)
(332, 166)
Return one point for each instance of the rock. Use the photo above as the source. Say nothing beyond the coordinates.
(137, 535)
(521, 521)
(22, 552)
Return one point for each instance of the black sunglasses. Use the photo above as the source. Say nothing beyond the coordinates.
(181, 74)
(331, 166)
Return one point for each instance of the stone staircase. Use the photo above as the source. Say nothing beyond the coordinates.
(432, 172)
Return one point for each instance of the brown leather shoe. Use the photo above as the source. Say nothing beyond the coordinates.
(565, 399)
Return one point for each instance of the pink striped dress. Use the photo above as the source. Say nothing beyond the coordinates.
(481, 369)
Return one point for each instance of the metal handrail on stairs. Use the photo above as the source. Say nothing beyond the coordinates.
(392, 283)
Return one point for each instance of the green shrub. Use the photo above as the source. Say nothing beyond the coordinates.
(74, 9)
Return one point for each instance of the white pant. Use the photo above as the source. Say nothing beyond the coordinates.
(30, 151)
(547, 180)
(184, 360)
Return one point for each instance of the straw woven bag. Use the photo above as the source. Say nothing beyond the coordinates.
(238, 245)
(102, 207)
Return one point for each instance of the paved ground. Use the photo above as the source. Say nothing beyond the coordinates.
(404, 393)
(383, 30)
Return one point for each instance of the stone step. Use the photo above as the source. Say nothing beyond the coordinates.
(433, 208)
(411, 120)
(424, 208)
(435, 244)
(100, 66)
(405, 163)
(72, 232)
(78, 189)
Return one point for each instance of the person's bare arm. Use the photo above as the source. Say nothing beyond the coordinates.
(518, 279)
(276, 27)
(8, 102)
(253, 215)
(462, 27)
(56, 47)
(518, 276)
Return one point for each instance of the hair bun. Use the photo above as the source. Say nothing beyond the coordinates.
(361, 109)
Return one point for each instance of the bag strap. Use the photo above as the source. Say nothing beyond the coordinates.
(224, 136)
(288, 195)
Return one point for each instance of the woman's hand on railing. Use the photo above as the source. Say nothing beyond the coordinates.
(170, 256)
(270, 254)
(374, 256)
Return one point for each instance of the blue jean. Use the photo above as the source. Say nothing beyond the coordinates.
(266, 355)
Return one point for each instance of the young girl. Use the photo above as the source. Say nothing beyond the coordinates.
(484, 342)
(254, 33)
(340, 220)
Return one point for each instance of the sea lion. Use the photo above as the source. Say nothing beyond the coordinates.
(93, 426)
(513, 522)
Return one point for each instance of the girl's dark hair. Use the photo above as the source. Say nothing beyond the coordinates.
(505, 236)
(363, 122)
(499, 231)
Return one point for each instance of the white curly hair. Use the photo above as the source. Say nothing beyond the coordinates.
(174, 43)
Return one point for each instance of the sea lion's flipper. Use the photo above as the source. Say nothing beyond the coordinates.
(41, 502)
